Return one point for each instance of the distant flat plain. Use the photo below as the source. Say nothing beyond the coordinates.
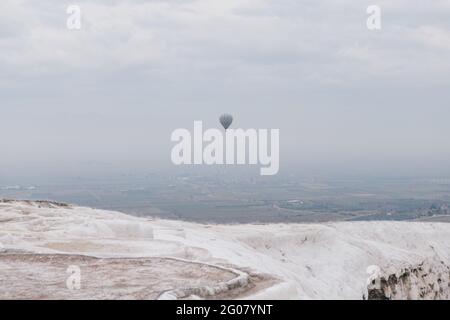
(250, 199)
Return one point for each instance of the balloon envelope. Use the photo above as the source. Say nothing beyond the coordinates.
(226, 120)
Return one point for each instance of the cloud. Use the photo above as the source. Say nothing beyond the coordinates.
(434, 37)
(314, 37)
(300, 65)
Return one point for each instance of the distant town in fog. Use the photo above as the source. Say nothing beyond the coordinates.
(227, 198)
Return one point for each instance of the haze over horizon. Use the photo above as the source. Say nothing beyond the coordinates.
(104, 99)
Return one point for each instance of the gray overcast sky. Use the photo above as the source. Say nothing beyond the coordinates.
(107, 97)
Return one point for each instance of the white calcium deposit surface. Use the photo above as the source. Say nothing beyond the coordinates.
(125, 257)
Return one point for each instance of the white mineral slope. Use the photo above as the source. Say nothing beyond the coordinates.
(308, 261)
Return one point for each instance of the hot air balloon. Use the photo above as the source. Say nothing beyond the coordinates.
(226, 120)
